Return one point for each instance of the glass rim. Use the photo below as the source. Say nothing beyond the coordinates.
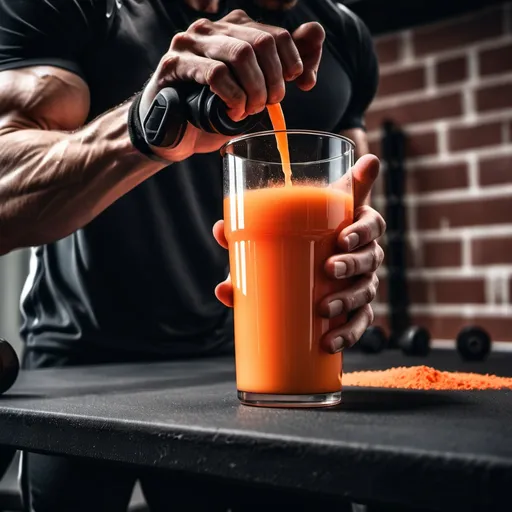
(246, 136)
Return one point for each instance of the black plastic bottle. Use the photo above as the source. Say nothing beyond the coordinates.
(173, 107)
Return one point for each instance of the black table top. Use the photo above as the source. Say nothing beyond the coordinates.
(439, 449)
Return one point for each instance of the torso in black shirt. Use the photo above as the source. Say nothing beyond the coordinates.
(141, 276)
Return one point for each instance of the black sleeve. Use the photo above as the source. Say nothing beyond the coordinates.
(363, 68)
(49, 32)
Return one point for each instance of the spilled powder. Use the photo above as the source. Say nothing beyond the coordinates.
(425, 377)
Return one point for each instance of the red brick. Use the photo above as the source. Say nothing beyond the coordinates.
(510, 291)
(442, 254)
(382, 291)
(406, 80)
(421, 144)
(416, 144)
(458, 33)
(451, 70)
(378, 186)
(374, 146)
(475, 136)
(491, 251)
(495, 170)
(388, 49)
(411, 258)
(418, 291)
(459, 291)
(494, 97)
(410, 255)
(472, 212)
(448, 327)
(409, 112)
(495, 60)
(439, 177)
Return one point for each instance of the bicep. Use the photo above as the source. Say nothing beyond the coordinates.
(40, 47)
(42, 97)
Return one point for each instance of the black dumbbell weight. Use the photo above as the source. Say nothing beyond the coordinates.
(415, 341)
(9, 366)
(473, 343)
(373, 340)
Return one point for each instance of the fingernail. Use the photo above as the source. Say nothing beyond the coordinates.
(340, 269)
(300, 68)
(335, 308)
(337, 344)
(352, 241)
(255, 110)
(237, 116)
(276, 97)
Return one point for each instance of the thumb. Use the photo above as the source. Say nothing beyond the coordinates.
(364, 173)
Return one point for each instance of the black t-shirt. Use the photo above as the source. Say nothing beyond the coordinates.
(140, 277)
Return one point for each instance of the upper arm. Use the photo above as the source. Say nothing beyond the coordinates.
(42, 97)
(41, 80)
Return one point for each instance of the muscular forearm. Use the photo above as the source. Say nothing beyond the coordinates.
(52, 183)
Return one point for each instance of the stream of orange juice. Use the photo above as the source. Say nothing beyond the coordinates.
(276, 115)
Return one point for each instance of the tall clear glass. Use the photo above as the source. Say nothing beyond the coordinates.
(280, 237)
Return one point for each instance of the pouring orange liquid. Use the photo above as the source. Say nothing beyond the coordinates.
(276, 115)
(279, 239)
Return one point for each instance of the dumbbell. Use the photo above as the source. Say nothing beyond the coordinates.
(373, 340)
(473, 343)
(9, 366)
(415, 341)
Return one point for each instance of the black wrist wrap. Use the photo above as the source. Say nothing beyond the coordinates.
(135, 129)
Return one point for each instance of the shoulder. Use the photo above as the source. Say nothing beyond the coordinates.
(351, 42)
(33, 13)
(49, 32)
(354, 24)
(346, 34)
(347, 26)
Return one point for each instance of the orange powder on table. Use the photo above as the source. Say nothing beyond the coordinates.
(425, 377)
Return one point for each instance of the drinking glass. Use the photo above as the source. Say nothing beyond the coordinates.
(279, 239)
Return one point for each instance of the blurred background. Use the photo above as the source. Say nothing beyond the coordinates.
(446, 81)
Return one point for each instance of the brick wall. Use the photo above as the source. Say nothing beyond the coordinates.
(449, 86)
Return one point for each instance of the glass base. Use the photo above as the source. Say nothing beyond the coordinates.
(271, 400)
